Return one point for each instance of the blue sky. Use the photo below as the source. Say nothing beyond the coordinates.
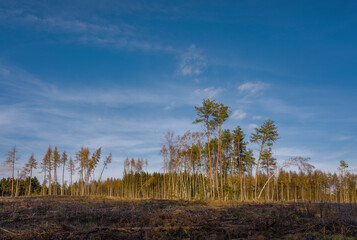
(119, 74)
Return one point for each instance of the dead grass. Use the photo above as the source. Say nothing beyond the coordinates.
(104, 218)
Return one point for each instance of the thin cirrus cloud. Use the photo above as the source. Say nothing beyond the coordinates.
(239, 115)
(77, 125)
(25, 83)
(252, 87)
(252, 126)
(257, 117)
(209, 92)
(192, 62)
(286, 152)
(119, 35)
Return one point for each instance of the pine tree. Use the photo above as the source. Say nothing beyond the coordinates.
(108, 160)
(71, 168)
(206, 114)
(10, 161)
(268, 163)
(220, 116)
(266, 135)
(47, 167)
(56, 159)
(64, 159)
(82, 157)
(250, 162)
(240, 145)
(30, 165)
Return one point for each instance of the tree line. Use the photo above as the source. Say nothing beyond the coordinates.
(53, 164)
(215, 164)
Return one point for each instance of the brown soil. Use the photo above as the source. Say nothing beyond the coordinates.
(103, 218)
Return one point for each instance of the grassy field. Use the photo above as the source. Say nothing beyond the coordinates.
(104, 218)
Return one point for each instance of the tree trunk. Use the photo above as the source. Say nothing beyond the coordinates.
(240, 170)
(220, 158)
(71, 185)
(49, 182)
(17, 185)
(268, 186)
(12, 179)
(209, 159)
(62, 188)
(55, 180)
(257, 172)
(29, 193)
(44, 184)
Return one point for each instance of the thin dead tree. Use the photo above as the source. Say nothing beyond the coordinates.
(108, 160)
(30, 165)
(56, 161)
(63, 162)
(300, 162)
(48, 162)
(71, 168)
(266, 135)
(91, 166)
(10, 161)
(82, 157)
(17, 184)
(164, 152)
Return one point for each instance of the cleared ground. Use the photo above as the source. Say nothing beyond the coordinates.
(103, 218)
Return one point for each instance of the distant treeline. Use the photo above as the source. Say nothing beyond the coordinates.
(23, 186)
(286, 186)
(211, 165)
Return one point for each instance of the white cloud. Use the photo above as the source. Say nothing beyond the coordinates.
(111, 142)
(23, 82)
(210, 92)
(287, 152)
(252, 87)
(192, 62)
(98, 32)
(108, 97)
(252, 126)
(239, 114)
(280, 106)
(8, 116)
(18, 79)
(344, 138)
(257, 117)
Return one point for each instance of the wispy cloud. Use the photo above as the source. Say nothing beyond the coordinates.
(252, 126)
(210, 92)
(8, 116)
(100, 32)
(25, 83)
(286, 152)
(111, 97)
(344, 138)
(192, 62)
(20, 80)
(239, 115)
(71, 117)
(251, 94)
(257, 117)
(276, 105)
(252, 87)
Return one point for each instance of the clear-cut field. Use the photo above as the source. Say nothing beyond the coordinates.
(104, 218)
